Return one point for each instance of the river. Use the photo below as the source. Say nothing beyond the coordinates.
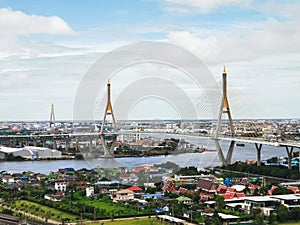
(199, 160)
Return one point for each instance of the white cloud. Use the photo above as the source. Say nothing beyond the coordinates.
(17, 23)
(207, 5)
(268, 38)
(13, 80)
(178, 10)
(262, 61)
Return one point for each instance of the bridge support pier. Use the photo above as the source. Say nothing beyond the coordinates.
(289, 151)
(43, 142)
(258, 152)
(66, 144)
(90, 144)
(54, 144)
(14, 142)
(34, 142)
(230, 151)
(224, 161)
(76, 145)
(108, 151)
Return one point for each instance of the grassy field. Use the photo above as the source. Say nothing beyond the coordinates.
(43, 211)
(106, 208)
(144, 221)
(290, 223)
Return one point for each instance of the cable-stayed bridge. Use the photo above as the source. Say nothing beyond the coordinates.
(224, 131)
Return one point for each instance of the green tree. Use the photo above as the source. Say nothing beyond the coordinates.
(272, 218)
(256, 192)
(282, 191)
(282, 213)
(220, 202)
(259, 219)
(263, 190)
(246, 190)
(216, 219)
(295, 213)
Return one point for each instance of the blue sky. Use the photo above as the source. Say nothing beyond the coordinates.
(47, 47)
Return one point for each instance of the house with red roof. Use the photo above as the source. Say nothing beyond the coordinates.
(294, 189)
(124, 195)
(206, 185)
(233, 194)
(205, 197)
(169, 186)
(270, 192)
(135, 189)
(221, 189)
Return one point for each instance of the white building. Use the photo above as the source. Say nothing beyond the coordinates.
(124, 195)
(89, 191)
(60, 186)
(30, 152)
(266, 204)
(8, 179)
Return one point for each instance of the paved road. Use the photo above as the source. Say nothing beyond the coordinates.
(50, 222)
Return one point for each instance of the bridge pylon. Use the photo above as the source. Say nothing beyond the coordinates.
(224, 109)
(108, 146)
(52, 119)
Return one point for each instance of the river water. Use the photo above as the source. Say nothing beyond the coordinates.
(199, 160)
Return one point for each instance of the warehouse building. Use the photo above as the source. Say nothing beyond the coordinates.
(30, 152)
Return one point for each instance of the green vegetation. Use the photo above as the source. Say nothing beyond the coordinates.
(290, 223)
(11, 157)
(105, 208)
(43, 211)
(137, 221)
(75, 203)
(281, 172)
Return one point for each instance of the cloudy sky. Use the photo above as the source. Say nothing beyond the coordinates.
(46, 47)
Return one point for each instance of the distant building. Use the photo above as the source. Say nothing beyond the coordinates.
(30, 152)
(206, 185)
(183, 200)
(60, 186)
(267, 204)
(89, 191)
(55, 197)
(8, 179)
(124, 195)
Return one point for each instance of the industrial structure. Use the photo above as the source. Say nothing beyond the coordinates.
(30, 152)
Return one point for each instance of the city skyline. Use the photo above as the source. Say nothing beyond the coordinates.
(46, 49)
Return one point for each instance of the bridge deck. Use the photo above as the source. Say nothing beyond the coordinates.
(94, 134)
(263, 142)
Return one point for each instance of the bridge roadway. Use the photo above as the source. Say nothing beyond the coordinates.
(258, 142)
(97, 134)
(261, 141)
(13, 220)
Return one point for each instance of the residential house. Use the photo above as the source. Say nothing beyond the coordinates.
(289, 200)
(124, 195)
(89, 191)
(55, 197)
(206, 185)
(8, 179)
(184, 200)
(60, 186)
